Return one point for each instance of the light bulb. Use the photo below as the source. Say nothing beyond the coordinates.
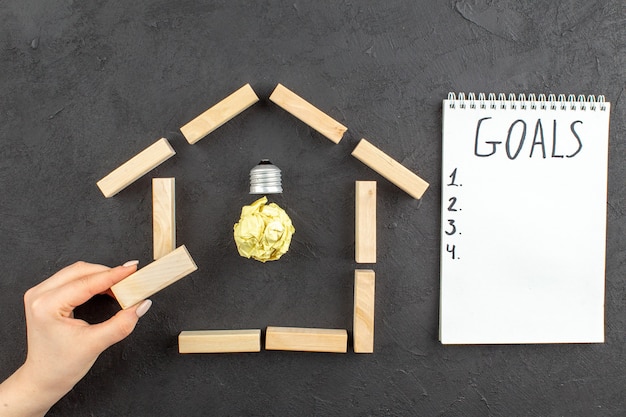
(264, 230)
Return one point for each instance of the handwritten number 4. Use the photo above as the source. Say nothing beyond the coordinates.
(451, 249)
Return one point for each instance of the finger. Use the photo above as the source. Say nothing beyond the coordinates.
(78, 291)
(69, 273)
(109, 292)
(119, 326)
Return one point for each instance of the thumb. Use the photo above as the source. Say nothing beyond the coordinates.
(119, 326)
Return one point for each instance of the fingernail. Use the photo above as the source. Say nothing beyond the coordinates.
(143, 308)
(130, 263)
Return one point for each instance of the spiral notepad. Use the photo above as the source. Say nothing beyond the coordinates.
(523, 219)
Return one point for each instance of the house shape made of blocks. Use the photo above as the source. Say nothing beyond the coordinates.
(172, 264)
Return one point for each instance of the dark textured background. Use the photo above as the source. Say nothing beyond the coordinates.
(85, 85)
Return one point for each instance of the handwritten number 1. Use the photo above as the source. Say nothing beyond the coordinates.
(453, 178)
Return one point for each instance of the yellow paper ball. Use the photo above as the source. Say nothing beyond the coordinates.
(263, 232)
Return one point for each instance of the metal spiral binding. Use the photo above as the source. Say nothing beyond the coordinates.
(523, 102)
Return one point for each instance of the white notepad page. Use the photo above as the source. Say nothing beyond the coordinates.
(523, 236)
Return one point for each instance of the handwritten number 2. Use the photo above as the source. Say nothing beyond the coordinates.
(452, 201)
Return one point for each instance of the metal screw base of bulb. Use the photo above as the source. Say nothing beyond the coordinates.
(265, 178)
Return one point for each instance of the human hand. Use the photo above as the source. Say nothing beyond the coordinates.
(62, 349)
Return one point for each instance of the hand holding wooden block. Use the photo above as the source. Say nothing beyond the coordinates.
(306, 339)
(363, 326)
(365, 222)
(219, 341)
(308, 113)
(154, 277)
(219, 114)
(136, 167)
(389, 168)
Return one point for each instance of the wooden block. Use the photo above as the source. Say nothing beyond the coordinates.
(365, 222)
(219, 341)
(390, 169)
(363, 326)
(309, 114)
(135, 167)
(306, 339)
(154, 277)
(219, 114)
(163, 216)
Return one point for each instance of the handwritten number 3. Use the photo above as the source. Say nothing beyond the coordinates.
(453, 231)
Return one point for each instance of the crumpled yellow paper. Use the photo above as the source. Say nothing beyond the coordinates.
(263, 231)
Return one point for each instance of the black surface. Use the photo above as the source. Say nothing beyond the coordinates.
(86, 85)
